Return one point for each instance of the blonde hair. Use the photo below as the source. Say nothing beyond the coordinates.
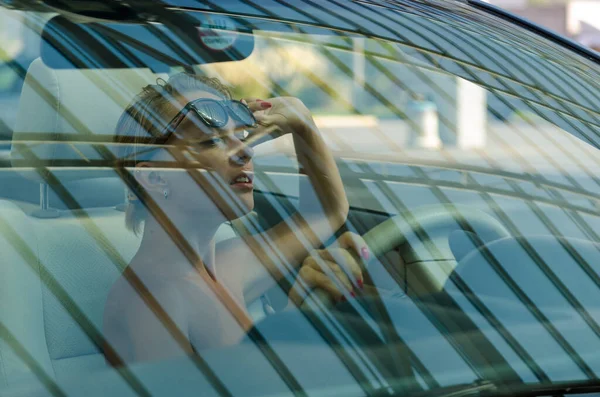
(146, 117)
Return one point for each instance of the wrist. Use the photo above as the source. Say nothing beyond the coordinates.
(305, 127)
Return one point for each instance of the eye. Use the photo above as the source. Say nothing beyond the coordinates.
(199, 146)
(215, 141)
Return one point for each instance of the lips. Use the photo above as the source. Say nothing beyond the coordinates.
(242, 180)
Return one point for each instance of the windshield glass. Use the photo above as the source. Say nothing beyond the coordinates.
(275, 197)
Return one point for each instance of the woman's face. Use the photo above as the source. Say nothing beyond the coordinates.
(221, 152)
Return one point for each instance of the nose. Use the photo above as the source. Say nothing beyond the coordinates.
(241, 154)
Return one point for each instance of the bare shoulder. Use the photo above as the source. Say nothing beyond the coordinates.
(131, 299)
(233, 252)
(241, 268)
(235, 263)
(147, 322)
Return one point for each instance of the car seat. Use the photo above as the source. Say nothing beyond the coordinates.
(57, 267)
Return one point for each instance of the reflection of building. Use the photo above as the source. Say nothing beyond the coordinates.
(577, 19)
(552, 15)
(589, 36)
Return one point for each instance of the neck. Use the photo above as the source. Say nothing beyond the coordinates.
(160, 251)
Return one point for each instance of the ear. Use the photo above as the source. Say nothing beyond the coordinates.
(149, 178)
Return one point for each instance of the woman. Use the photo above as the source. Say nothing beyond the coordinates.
(181, 293)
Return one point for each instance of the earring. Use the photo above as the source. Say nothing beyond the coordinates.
(166, 193)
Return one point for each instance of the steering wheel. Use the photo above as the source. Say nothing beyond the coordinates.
(423, 235)
(406, 232)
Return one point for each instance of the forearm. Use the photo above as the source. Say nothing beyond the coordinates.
(318, 164)
(289, 115)
(284, 247)
(323, 203)
(281, 249)
(310, 227)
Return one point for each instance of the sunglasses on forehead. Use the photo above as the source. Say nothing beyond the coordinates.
(214, 114)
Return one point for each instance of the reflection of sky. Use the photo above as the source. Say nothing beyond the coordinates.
(517, 147)
(524, 327)
(429, 344)
(501, 301)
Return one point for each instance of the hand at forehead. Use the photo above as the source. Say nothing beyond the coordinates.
(256, 104)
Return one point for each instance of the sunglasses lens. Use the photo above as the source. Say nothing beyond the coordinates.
(213, 113)
(243, 115)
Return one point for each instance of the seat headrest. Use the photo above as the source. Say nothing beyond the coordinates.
(71, 105)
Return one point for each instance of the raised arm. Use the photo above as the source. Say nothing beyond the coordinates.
(315, 161)
(297, 236)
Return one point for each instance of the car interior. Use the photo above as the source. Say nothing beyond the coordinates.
(65, 241)
(444, 262)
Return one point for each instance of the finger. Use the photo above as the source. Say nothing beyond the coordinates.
(330, 269)
(273, 122)
(348, 262)
(254, 99)
(266, 124)
(262, 118)
(356, 243)
(255, 104)
(341, 276)
(307, 279)
(264, 132)
(249, 100)
(316, 279)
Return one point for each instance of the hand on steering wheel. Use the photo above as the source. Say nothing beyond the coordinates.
(336, 270)
(396, 231)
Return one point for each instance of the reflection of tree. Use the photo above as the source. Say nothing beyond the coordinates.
(256, 75)
(11, 34)
(290, 65)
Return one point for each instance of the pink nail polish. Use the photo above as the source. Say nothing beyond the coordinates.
(360, 283)
(265, 105)
(364, 251)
